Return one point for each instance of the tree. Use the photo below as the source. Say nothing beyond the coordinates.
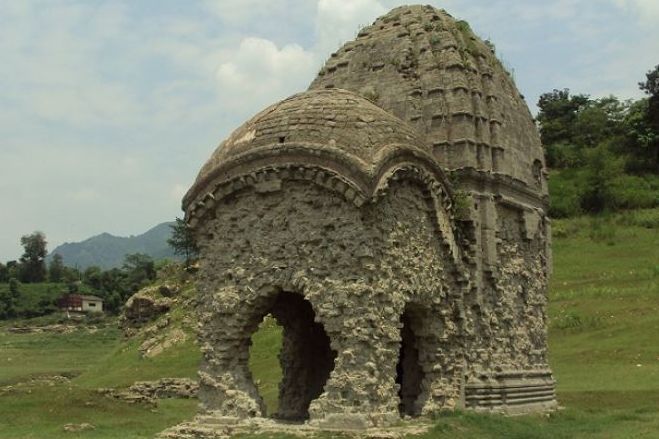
(640, 139)
(13, 269)
(651, 87)
(558, 114)
(4, 273)
(9, 299)
(139, 270)
(93, 276)
(113, 302)
(56, 268)
(651, 83)
(33, 267)
(182, 240)
(603, 169)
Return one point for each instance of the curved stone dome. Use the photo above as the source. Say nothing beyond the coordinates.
(433, 72)
(334, 129)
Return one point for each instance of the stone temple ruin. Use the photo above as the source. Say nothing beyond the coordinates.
(393, 220)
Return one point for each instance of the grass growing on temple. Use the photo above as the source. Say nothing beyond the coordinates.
(603, 324)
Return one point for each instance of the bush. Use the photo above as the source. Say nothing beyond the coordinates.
(635, 192)
(647, 218)
(602, 171)
(566, 191)
(600, 186)
(563, 156)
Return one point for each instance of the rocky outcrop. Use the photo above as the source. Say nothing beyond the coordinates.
(144, 307)
(54, 329)
(148, 392)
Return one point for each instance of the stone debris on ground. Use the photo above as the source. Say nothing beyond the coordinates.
(54, 329)
(40, 381)
(204, 427)
(148, 392)
(77, 428)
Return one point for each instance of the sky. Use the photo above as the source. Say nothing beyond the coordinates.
(109, 108)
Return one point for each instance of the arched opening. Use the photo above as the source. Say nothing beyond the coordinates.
(409, 373)
(305, 356)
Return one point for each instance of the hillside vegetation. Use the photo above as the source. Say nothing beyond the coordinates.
(603, 324)
(107, 251)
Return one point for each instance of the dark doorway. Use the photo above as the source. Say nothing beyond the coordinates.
(306, 358)
(409, 374)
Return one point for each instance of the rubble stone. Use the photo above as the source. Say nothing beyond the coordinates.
(144, 307)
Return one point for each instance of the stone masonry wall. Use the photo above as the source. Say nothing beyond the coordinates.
(358, 268)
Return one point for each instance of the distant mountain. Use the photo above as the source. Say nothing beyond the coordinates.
(108, 251)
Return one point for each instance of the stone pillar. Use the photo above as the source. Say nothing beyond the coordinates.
(361, 391)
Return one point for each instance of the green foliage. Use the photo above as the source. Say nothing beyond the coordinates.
(646, 218)
(641, 138)
(182, 240)
(56, 269)
(636, 192)
(566, 190)
(651, 87)
(264, 361)
(29, 300)
(4, 273)
(558, 113)
(602, 171)
(572, 192)
(114, 286)
(615, 143)
(461, 205)
(33, 267)
(464, 27)
(9, 298)
(651, 83)
(139, 269)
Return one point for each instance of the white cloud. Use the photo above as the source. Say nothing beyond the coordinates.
(338, 21)
(238, 12)
(646, 10)
(258, 73)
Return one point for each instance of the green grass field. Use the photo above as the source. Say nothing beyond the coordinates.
(603, 338)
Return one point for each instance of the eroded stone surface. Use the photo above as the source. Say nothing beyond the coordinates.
(149, 391)
(433, 72)
(336, 217)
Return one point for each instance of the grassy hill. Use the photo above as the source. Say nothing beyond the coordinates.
(603, 339)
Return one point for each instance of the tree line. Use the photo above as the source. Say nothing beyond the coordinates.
(603, 153)
(114, 286)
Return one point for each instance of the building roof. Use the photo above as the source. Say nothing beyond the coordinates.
(332, 127)
(87, 297)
